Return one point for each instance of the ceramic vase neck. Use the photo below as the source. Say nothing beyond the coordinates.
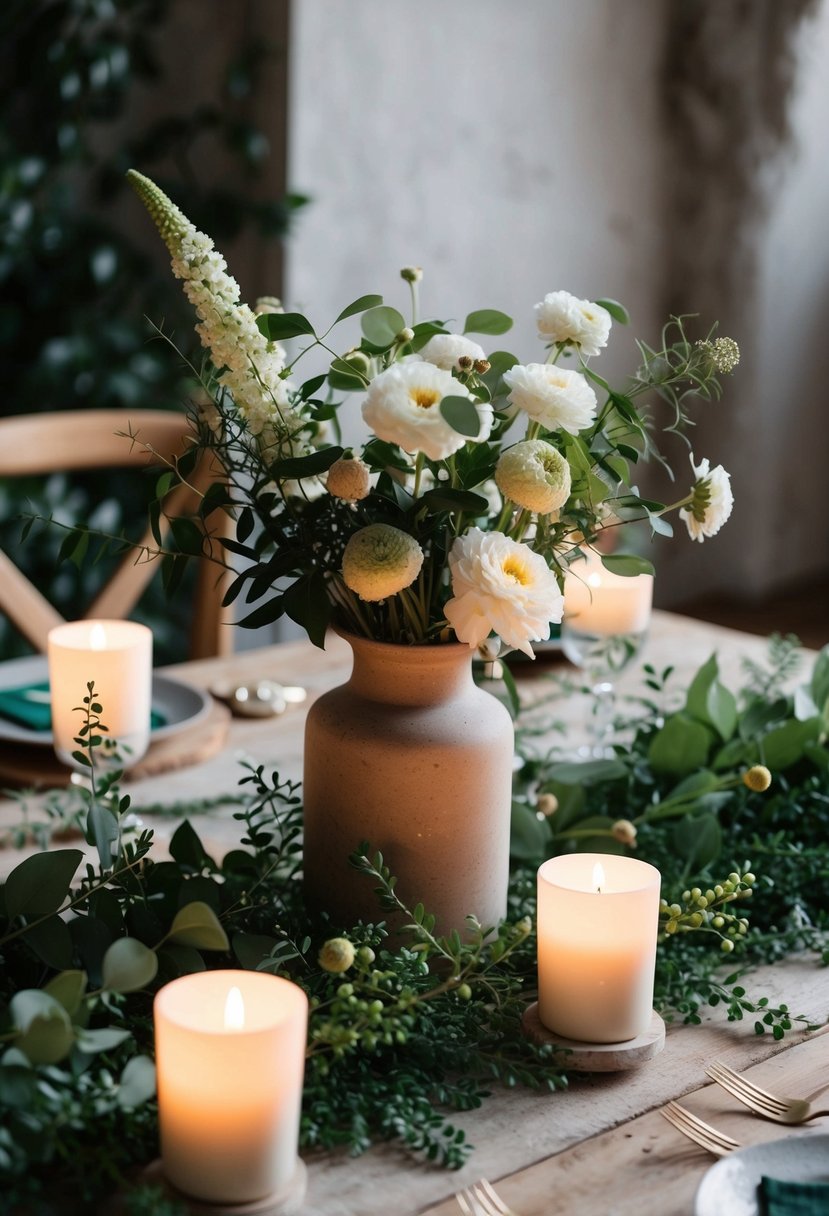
(409, 675)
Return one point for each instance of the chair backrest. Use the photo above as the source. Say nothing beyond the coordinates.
(95, 439)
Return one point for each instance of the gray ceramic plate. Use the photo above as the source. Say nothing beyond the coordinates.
(180, 705)
(731, 1185)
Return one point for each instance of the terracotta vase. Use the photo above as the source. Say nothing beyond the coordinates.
(411, 756)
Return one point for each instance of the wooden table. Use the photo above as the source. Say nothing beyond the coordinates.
(600, 1148)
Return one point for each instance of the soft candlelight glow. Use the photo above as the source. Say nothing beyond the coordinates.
(117, 656)
(230, 1057)
(597, 926)
(604, 604)
(234, 1010)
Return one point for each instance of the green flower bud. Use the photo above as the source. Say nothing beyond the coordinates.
(411, 274)
(726, 946)
(749, 879)
(336, 955)
(464, 992)
(365, 956)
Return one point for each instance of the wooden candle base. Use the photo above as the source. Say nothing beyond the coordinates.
(597, 1057)
(282, 1203)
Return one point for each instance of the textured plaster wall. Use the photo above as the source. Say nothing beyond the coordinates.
(511, 149)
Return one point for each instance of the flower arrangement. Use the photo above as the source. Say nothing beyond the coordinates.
(482, 481)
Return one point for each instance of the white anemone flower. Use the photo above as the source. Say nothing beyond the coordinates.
(402, 406)
(562, 317)
(379, 561)
(501, 585)
(444, 350)
(561, 400)
(712, 502)
(534, 475)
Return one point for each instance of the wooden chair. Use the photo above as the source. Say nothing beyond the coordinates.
(94, 439)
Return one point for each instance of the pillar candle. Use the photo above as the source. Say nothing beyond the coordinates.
(598, 917)
(230, 1058)
(118, 657)
(605, 604)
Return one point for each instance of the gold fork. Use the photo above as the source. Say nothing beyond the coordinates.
(481, 1199)
(698, 1130)
(770, 1106)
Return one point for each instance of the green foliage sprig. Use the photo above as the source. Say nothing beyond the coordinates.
(400, 1036)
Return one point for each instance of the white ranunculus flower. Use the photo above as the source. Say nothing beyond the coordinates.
(402, 406)
(379, 561)
(562, 317)
(559, 399)
(499, 584)
(712, 503)
(444, 350)
(534, 475)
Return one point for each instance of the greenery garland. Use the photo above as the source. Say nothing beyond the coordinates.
(402, 1036)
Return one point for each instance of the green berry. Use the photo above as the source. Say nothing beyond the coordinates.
(726, 946)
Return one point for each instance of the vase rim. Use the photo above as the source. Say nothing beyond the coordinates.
(374, 644)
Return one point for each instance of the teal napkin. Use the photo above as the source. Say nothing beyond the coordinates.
(794, 1198)
(28, 705)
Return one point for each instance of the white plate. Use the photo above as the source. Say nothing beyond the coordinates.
(179, 704)
(731, 1185)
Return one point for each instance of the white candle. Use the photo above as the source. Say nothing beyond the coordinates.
(230, 1057)
(118, 657)
(598, 918)
(604, 604)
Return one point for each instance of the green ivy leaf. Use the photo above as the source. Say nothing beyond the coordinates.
(197, 925)
(128, 965)
(461, 415)
(487, 321)
(40, 884)
(382, 325)
(359, 305)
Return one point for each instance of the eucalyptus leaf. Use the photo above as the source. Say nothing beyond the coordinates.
(698, 839)
(68, 988)
(680, 746)
(106, 1038)
(440, 499)
(102, 831)
(197, 925)
(46, 1033)
(530, 837)
(137, 1083)
(40, 884)
(487, 321)
(626, 564)
(128, 966)
(382, 325)
(252, 948)
(462, 416)
(617, 311)
(587, 772)
(51, 941)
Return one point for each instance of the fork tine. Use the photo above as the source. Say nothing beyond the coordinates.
(697, 1129)
(463, 1198)
(498, 1207)
(746, 1091)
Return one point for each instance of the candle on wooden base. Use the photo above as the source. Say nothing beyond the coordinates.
(287, 1202)
(230, 1058)
(574, 1056)
(598, 919)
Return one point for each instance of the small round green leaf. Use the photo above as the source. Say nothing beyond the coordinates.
(128, 965)
(137, 1083)
(487, 321)
(382, 325)
(626, 564)
(461, 415)
(617, 311)
(68, 988)
(197, 925)
(46, 1033)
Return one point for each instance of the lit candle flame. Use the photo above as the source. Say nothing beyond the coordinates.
(97, 637)
(595, 580)
(234, 1010)
(598, 877)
